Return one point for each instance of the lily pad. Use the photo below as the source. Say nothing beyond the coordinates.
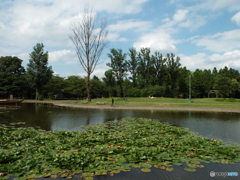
(136, 165)
(89, 178)
(116, 171)
(169, 169)
(112, 147)
(146, 170)
(145, 165)
(189, 169)
(192, 165)
(177, 164)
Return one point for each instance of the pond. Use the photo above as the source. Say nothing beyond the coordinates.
(224, 126)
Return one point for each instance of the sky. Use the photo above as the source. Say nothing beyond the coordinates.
(203, 33)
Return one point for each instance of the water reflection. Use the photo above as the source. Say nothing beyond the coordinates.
(223, 126)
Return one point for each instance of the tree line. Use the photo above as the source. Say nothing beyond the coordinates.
(143, 73)
(132, 74)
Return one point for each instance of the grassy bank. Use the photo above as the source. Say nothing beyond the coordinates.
(172, 102)
(107, 149)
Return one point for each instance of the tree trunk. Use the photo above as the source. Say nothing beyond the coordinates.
(88, 88)
(36, 96)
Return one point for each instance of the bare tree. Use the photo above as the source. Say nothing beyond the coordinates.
(89, 42)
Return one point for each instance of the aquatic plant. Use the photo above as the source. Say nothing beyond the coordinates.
(107, 149)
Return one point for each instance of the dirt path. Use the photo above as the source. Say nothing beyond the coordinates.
(169, 108)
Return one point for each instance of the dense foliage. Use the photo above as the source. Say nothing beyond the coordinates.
(107, 148)
(38, 72)
(132, 74)
(12, 79)
(145, 73)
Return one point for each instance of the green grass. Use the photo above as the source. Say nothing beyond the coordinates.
(204, 102)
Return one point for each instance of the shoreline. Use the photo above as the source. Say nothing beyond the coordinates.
(163, 108)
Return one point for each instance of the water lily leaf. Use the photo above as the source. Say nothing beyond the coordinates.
(145, 165)
(177, 164)
(121, 160)
(88, 150)
(162, 167)
(136, 165)
(89, 178)
(167, 163)
(46, 175)
(53, 176)
(169, 169)
(189, 169)
(127, 169)
(146, 170)
(207, 162)
(215, 161)
(87, 174)
(115, 171)
(192, 165)
(65, 174)
(194, 161)
(153, 162)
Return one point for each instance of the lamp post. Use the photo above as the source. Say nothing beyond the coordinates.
(190, 101)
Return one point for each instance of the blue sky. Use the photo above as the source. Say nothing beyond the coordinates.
(203, 33)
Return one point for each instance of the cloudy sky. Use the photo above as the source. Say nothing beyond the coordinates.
(204, 33)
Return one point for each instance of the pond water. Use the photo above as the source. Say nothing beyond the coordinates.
(224, 126)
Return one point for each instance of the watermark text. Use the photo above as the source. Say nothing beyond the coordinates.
(224, 174)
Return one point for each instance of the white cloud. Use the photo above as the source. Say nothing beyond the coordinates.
(126, 25)
(115, 37)
(184, 18)
(129, 24)
(66, 56)
(236, 18)
(180, 15)
(160, 39)
(221, 42)
(165, 20)
(193, 21)
(119, 6)
(231, 5)
(25, 23)
(204, 61)
(193, 62)
(157, 40)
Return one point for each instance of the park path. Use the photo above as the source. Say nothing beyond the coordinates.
(169, 108)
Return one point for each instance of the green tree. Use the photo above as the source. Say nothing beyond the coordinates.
(38, 72)
(75, 87)
(159, 68)
(235, 87)
(132, 65)
(12, 78)
(173, 69)
(55, 87)
(119, 68)
(110, 82)
(224, 85)
(198, 88)
(145, 68)
(184, 82)
(98, 88)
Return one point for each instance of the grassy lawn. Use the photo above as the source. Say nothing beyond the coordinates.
(145, 101)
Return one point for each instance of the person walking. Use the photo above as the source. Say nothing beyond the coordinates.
(112, 102)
